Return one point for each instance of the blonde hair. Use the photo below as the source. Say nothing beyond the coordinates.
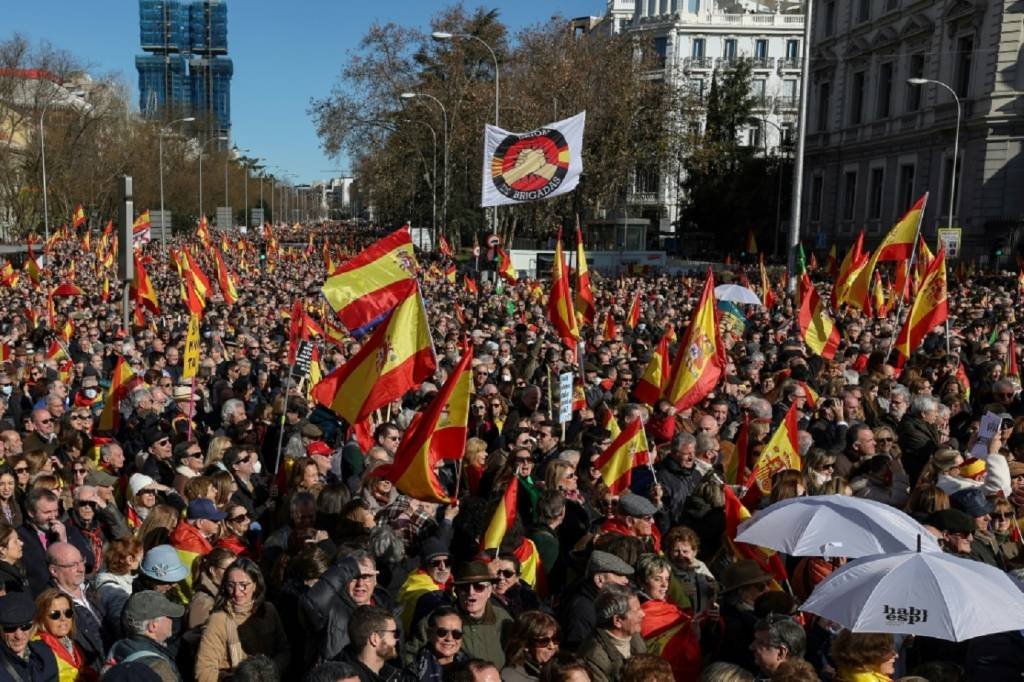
(215, 452)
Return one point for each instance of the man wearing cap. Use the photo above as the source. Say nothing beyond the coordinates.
(144, 494)
(956, 529)
(148, 623)
(433, 576)
(634, 517)
(984, 548)
(21, 658)
(191, 537)
(188, 463)
(158, 464)
(484, 623)
(744, 581)
(577, 615)
(617, 637)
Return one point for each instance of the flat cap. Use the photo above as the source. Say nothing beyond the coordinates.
(951, 521)
(605, 562)
(632, 504)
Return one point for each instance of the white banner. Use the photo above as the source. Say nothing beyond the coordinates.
(523, 167)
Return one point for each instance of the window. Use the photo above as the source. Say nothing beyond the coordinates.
(863, 10)
(787, 134)
(697, 88)
(647, 179)
(730, 50)
(876, 184)
(789, 92)
(905, 189)
(964, 47)
(693, 6)
(761, 50)
(792, 50)
(757, 89)
(830, 17)
(884, 90)
(914, 70)
(947, 176)
(755, 134)
(857, 98)
(817, 184)
(824, 95)
(697, 50)
(661, 49)
(849, 193)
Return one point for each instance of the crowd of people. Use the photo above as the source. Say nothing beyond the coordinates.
(228, 527)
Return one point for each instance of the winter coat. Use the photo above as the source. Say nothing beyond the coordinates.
(482, 637)
(41, 666)
(112, 591)
(13, 575)
(677, 484)
(259, 632)
(147, 652)
(577, 615)
(918, 441)
(603, 659)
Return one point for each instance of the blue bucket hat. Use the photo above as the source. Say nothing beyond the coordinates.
(163, 565)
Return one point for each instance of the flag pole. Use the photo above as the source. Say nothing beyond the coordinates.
(910, 270)
(191, 397)
(284, 415)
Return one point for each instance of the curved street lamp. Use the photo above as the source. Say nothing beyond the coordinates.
(163, 215)
(444, 117)
(956, 139)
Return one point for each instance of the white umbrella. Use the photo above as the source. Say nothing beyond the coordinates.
(736, 294)
(931, 594)
(836, 526)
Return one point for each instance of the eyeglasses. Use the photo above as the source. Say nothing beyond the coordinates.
(21, 470)
(81, 470)
(240, 517)
(1001, 516)
(475, 587)
(45, 421)
(147, 491)
(442, 633)
(507, 573)
(496, 405)
(162, 441)
(9, 629)
(71, 564)
(544, 642)
(80, 416)
(885, 440)
(440, 563)
(243, 586)
(86, 503)
(68, 614)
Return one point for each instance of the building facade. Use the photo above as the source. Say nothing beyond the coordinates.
(695, 41)
(185, 71)
(875, 142)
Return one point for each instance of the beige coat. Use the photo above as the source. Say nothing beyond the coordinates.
(263, 634)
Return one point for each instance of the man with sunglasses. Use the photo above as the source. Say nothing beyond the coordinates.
(159, 458)
(432, 578)
(43, 436)
(21, 658)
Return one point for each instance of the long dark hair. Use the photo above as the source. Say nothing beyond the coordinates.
(259, 591)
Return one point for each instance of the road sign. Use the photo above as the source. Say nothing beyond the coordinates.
(565, 397)
(950, 237)
(224, 219)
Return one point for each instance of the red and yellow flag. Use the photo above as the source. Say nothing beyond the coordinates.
(470, 284)
(781, 452)
(585, 309)
(930, 308)
(142, 223)
(78, 217)
(105, 290)
(374, 282)
(203, 232)
(444, 247)
(610, 330)
(769, 560)
(560, 307)
(398, 356)
(652, 384)
(633, 314)
(898, 245)
(438, 433)
(449, 273)
(700, 359)
(505, 269)
(848, 270)
(617, 462)
(121, 384)
(819, 332)
(1010, 368)
(225, 279)
(767, 296)
(502, 519)
(142, 288)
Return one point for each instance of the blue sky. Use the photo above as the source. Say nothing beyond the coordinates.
(284, 53)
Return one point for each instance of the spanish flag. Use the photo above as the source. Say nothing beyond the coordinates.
(930, 308)
(668, 632)
(32, 268)
(56, 351)
(199, 279)
(736, 513)
(121, 384)
(398, 356)
(502, 519)
(375, 281)
(195, 303)
(898, 245)
(700, 359)
(470, 284)
(444, 247)
(767, 296)
(560, 307)
(334, 333)
(142, 288)
(5, 352)
(750, 246)
(781, 452)
(449, 273)
(78, 217)
(878, 297)
(438, 433)
(633, 314)
(610, 330)
(225, 279)
(617, 462)
(67, 331)
(505, 269)
(105, 290)
(831, 262)
(854, 259)
(652, 384)
(1010, 369)
(608, 421)
(584, 293)
(818, 330)
(203, 232)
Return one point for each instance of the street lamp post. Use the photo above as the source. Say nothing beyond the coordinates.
(163, 218)
(778, 190)
(201, 148)
(956, 140)
(433, 175)
(444, 35)
(801, 142)
(42, 152)
(444, 121)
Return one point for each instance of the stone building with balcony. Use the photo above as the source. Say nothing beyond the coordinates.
(694, 40)
(876, 142)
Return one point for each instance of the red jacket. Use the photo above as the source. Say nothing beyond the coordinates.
(187, 538)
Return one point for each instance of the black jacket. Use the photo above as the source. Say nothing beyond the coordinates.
(41, 665)
(34, 556)
(918, 442)
(577, 616)
(677, 484)
(13, 577)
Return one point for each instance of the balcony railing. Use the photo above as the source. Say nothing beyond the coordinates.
(699, 63)
(761, 20)
(790, 62)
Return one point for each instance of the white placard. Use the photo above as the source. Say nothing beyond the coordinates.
(565, 397)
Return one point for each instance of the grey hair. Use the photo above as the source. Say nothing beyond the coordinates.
(923, 403)
(136, 628)
(900, 389)
(612, 602)
(228, 408)
(804, 441)
(386, 545)
(139, 394)
(649, 565)
(724, 672)
(784, 632)
(682, 439)
(706, 443)
(759, 407)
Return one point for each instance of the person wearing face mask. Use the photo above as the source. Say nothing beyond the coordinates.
(252, 493)
(88, 394)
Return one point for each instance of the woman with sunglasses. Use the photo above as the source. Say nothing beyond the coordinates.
(443, 648)
(22, 471)
(532, 642)
(55, 627)
(12, 575)
(1006, 532)
(510, 591)
(235, 536)
(10, 507)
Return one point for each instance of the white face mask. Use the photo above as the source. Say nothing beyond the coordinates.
(257, 467)
(7, 389)
(90, 393)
